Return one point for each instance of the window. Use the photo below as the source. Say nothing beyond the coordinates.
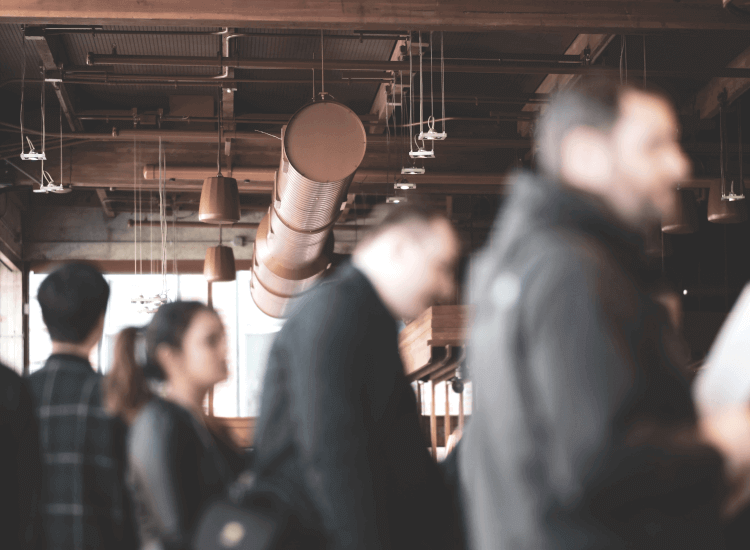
(249, 331)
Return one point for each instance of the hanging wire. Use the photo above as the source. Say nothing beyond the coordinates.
(432, 99)
(163, 217)
(322, 76)
(623, 60)
(421, 86)
(218, 145)
(61, 148)
(151, 228)
(442, 75)
(23, 81)
(401, 79)
(644, 62)
(411, 97)
(140, 230)
(135, 208)
(174, 236)
(43, 104)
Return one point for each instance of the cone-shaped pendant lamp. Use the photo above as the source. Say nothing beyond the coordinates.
(220, 198)
(684, 218)
(218, 267)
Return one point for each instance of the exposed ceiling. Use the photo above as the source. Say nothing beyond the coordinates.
(688, 47)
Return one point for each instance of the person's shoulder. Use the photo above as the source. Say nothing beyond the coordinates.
(341, 292)
(154, 422)
(11, 388)
(9, 377)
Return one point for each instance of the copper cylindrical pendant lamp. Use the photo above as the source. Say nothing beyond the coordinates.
(220, 200)
(218, 266)
(724, 211)
(684, 218)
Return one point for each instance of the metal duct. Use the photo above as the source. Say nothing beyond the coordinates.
(322, 147)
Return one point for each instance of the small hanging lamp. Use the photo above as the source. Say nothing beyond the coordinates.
(684, 218)
(725, 211)
(218, 267)
(220, 197)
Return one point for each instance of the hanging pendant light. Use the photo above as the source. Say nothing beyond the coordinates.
(732, 189)
(220, 198)
(684, 218)
(218, 267)
(725, 211)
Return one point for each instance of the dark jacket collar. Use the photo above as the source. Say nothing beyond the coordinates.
(70, 361)
(562, 205)
(347, 271)
(552, 204)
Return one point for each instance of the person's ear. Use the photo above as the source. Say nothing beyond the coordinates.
(167, 358)
(586, 158)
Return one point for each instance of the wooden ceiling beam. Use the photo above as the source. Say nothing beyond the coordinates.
(611, 16)
(552, 82)
(707, 99)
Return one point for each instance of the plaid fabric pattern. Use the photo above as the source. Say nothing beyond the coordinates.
(82, 454)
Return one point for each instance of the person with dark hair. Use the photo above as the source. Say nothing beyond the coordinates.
(83, 503)
(178, 459)
(338, 435)
(20, 465)
(583, 432)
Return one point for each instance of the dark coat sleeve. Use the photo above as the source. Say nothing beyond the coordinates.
(326, 367)
(612, 446)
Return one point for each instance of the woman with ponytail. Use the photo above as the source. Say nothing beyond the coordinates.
(177, 460)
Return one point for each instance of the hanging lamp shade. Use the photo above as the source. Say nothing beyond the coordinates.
(684, 218)
(220, 201)
(218, 266)
(725, 211)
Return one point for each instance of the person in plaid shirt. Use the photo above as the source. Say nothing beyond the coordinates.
(83, 498)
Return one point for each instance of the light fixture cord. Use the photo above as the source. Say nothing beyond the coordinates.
(432, 99)
(322, 76)
(23, 81)
(61, 149)
(442, 75)
(421, 86)
(218, 145)
(42, 102)
(741, 181)
(163, 217)
(644, 62)
(221, 227)
(411, 96)
(135, 221)
(722, 152)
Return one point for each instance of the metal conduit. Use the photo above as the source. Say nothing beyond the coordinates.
(322, 147)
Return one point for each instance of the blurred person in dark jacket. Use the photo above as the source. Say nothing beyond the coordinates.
(338, 432)
(84, 505)
(584, 434)
(20, 467)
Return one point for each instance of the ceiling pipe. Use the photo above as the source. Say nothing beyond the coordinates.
(266, 174)
(322, 147)
(362, 35)
(238, 225)
(338, 65)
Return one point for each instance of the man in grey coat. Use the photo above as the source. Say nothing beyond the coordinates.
(584, 433)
